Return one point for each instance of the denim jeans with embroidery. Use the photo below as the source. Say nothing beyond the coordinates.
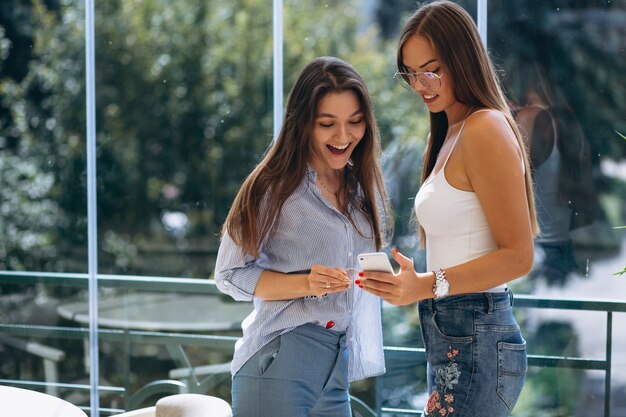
(476, 355)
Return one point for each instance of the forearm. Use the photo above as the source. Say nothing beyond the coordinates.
(480, 274)
(489, 271)
(275, 286)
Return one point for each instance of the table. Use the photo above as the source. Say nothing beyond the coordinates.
(21, 402)
(178, 312)
(166, 312)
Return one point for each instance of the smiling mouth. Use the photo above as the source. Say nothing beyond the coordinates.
(429, 96)
(338, 150)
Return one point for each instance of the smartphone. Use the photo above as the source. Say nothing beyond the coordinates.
(376, 262)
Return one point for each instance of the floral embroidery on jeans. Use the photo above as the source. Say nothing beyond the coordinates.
(441, 401)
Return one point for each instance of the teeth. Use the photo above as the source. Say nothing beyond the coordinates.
(429, 96)
(341, 147)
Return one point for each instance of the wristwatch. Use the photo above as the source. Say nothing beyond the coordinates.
(442, 286)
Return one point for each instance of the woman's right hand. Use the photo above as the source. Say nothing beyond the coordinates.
(399, 289)
(324, 280)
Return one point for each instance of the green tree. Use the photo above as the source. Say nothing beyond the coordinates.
(183, 111)
(29, 211)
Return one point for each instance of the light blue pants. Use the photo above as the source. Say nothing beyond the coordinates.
(303, 373)
(476, 355)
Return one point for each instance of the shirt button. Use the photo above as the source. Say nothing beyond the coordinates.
(330, 324)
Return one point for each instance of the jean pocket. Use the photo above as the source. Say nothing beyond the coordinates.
(268, 354)
(454, 326)
(512, 367)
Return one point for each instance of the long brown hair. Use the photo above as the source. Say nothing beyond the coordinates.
(575, 179)
(455, 37)
(258, 204)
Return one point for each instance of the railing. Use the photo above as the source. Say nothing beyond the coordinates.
(15, 334)
(546, 361)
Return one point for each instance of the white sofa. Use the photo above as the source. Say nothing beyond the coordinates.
(184, 405)
(19, 402)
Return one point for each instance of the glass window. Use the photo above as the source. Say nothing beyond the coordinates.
(184, 112)
(184, 105)
(42, 181)
(562, 65)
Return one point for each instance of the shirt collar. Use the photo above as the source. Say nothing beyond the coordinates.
(310, 173)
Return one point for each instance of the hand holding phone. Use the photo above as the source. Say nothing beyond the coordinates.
(375, 262)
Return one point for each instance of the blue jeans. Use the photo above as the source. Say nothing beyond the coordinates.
(303, 373)
(476, 355)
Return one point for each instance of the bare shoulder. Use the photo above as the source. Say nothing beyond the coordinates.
(488, 134)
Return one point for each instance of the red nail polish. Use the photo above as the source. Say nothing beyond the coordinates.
(330, 324)
(361, 274)
(357, 282)
(360, 286)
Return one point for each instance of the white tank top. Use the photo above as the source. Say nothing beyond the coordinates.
(453, 220)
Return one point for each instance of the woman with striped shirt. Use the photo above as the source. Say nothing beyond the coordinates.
(314, 202)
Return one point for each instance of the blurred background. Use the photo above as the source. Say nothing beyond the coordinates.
(184, 111)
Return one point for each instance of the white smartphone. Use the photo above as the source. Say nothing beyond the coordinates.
(375, 262)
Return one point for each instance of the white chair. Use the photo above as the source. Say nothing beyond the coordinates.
(142, 412)
(19, 402)
(184, 405)
(50, 356)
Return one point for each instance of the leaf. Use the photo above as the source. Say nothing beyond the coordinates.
(620, 273)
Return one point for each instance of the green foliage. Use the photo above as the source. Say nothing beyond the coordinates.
(183, 113)
(184, 103)
(28, 216)
(551, 392)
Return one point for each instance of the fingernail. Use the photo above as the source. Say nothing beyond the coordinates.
(361, 274)
(360, 286)
(357, 282)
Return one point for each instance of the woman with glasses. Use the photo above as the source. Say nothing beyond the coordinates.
(292, 235)
(476, 215)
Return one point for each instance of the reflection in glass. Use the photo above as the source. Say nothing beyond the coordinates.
(562, 66)
(184, 112)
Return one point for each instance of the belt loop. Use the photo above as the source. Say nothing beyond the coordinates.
(489, 302)
(431, 305)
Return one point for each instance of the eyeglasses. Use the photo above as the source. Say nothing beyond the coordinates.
(430, 82)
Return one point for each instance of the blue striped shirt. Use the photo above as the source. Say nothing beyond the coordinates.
(310, 231)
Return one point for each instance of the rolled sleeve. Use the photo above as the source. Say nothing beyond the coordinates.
(236, 273)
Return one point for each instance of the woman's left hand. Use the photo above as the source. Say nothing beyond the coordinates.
(399, 289)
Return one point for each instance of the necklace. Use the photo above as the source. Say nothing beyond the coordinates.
(326, 187)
